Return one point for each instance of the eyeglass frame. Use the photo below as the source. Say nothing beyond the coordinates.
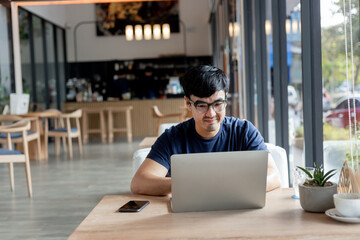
(224, 101)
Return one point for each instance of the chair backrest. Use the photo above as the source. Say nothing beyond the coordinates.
(165, 126)
(280, 158)
(74, 114)
(156, 112)
(278, 154)
(20, 126)
(6, 109)
(9, 118)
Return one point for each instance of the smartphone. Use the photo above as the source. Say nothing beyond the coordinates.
(134, 206)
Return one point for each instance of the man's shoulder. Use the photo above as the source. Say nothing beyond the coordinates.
(238, 125)
(179, 128)
(233, 121)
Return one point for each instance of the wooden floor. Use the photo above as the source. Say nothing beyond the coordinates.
(64, 190)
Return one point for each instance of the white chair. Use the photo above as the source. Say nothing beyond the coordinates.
(278, 154)
(280, 158)
(165, 126)
(10, 156)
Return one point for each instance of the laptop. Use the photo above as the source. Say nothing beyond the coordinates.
(218, 181)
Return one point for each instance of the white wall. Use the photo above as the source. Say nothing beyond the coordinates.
(194, 14)
(53, 13)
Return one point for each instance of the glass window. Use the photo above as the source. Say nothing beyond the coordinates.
(338, 80)
(295, 93)
(5, 58)
(50, 50)
(25, 53)
(61, 62)
(39, 63)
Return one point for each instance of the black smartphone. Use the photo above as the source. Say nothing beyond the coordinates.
(134, 206)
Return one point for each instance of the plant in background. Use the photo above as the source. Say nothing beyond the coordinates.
(299, 132)
(318, 178)
(334, 133)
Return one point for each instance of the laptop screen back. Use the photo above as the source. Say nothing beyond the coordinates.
(218, 181)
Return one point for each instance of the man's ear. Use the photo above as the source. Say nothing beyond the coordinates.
(188, 104)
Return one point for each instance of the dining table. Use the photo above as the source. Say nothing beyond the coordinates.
(281, 218)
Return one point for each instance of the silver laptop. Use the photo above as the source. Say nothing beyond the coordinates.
(218, 181)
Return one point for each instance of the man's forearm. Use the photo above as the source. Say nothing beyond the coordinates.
(151, 185)
(273, 181)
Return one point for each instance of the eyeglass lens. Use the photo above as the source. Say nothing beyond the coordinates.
(218, 106)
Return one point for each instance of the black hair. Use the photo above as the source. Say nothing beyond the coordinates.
(203, 81)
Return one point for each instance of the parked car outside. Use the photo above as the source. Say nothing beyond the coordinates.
(326, 101)
(339, 116)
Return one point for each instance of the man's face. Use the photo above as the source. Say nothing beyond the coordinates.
(207, 124)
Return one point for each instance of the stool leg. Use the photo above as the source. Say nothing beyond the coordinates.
(85, 128)
(11, 173)
(110, 126)
(57, 146)
(102, 127)
(128, 126)
(70, 147)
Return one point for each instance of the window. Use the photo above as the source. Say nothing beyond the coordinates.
(6, 74)
(43, 60)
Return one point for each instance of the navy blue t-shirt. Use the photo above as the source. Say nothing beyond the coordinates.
(234, 135)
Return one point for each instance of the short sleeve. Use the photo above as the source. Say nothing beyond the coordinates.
(254, 140)
(161, 150)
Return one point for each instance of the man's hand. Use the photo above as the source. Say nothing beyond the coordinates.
(150, 179)
(273, 176)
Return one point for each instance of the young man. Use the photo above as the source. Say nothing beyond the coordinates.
(209, 130)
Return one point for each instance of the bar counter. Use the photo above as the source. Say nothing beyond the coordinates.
(143, 122)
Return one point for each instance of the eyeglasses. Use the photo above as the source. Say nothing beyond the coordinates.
(203, 107)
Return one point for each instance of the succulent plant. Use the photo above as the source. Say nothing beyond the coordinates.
(318, 178)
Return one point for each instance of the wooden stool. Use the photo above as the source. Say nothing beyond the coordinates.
(85, 122)
(127, 129)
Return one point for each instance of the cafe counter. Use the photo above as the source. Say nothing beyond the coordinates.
(142, 120)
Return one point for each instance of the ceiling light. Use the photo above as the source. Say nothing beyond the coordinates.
(138, 32)
(147, 32)
(129, 32)
(166, 31)
(156, 31)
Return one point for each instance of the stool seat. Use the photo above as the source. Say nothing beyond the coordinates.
(113, 110)
(85, 121)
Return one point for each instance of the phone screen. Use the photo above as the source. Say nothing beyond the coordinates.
(133, 206)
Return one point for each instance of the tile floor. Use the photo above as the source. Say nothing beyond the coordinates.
(64, 190)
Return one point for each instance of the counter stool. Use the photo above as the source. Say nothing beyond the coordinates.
(85, 122)
(127, 129)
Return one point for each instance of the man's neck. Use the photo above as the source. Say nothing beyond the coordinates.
(206, 134)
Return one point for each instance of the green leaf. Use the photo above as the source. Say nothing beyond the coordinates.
(329, 172)
(326, 179)
(305, 171)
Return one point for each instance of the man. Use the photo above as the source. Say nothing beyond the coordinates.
(209, 130)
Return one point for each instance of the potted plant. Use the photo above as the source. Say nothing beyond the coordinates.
(316, 193)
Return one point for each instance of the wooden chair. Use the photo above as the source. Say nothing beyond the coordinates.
(127, 111)
(32, 135)
(10, 156)
(157, 114)
(85, 124)
(62, 128)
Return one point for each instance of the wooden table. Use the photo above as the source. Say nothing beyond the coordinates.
(281, 218)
